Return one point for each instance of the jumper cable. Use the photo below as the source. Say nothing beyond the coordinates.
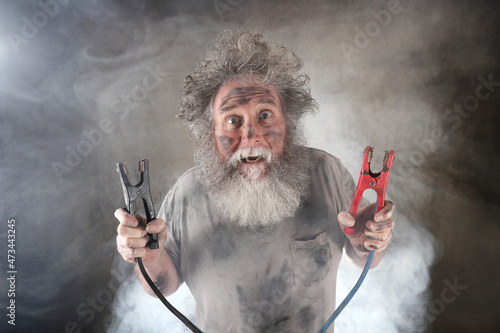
(142, 191)
(370, 180)
(367, 180)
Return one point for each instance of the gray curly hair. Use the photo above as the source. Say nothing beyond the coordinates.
(244, 55)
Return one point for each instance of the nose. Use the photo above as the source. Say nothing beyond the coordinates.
(251, 136)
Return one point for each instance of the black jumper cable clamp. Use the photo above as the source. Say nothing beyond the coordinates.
(132, 193)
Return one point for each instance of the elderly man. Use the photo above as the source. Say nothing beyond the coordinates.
(255, 229)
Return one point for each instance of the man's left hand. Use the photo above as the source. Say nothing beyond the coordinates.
(371, 232)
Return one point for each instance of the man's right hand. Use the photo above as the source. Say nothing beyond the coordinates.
(132, 236)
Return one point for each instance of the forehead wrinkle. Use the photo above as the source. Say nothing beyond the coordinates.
(226, 109)
(242, 95)
(267, 100)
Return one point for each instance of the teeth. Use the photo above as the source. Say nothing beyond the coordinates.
(252, 159)
(251, 155)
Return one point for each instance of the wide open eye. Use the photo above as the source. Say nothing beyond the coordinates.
(265, 115)
(233, 121)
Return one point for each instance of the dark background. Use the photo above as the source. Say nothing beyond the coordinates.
(87, 84)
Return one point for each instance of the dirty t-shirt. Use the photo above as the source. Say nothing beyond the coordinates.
(272, 279)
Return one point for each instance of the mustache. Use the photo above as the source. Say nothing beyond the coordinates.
(251, 155)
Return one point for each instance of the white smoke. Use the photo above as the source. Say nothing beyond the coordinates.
(394, 296)
(354, 106)
(134, 310)
(103, 79)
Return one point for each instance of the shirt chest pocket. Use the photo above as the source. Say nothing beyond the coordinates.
(311, 260)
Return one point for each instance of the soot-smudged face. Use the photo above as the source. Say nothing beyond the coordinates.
(248, 115)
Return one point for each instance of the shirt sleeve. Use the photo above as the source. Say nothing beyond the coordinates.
(173, 243)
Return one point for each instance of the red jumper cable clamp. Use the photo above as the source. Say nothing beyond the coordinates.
(370, 180)
(139, 191)
(367, 180)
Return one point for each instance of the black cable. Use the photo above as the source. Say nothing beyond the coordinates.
(169, 306)
(132, 193)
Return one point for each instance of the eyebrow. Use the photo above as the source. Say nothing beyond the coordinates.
(243, 95)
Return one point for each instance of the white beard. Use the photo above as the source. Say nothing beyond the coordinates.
(260, 194)
(261, 202)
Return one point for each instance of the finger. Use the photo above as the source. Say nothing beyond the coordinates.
(125, 218)
(380, 226)
(377, 246)
(377, 236)
(156, 226)
(385, 212)
(122, 251)
(127, 242)
(345, 219)
(129, 254)
(130, 232)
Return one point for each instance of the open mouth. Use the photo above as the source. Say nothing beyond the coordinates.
(248, 156)
(252, 159)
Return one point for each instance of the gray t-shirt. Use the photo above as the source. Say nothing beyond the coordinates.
(274, 279)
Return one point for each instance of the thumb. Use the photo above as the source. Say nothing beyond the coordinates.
(346, 220)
